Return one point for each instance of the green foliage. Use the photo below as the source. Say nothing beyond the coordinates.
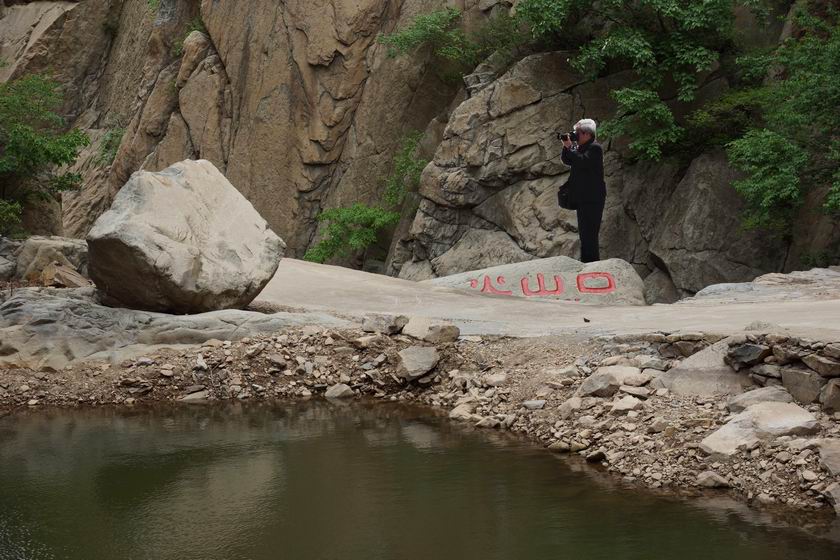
(354, 229)
(795, 144)
(644, 118)
(33, 143)
(349, 230)
(154, 5)
(545, 17)
(109, 145)
(436, 29)
(407, 171)
(10, 215)
(439, 31)
(668, 44)
(772, 164)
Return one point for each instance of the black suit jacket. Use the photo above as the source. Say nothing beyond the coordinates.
(586, 178)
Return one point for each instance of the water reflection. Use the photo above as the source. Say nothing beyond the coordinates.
(328, 481)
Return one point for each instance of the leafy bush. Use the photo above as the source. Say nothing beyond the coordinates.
(795, 145)
(349, 230)
(33, 143)
(354, 229)
(111, 141)
(436, 28)
(439, 31)
(154, 5)
(10, 214)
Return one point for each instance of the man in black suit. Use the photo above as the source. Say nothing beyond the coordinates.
(586, 181)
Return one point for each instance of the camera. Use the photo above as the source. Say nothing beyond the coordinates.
(571, 136)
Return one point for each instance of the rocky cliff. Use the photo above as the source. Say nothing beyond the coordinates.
(302, 110)
(294, 101)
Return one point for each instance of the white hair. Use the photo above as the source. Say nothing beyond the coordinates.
(587, 125)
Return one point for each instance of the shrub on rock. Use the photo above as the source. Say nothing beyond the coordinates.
(183, 240)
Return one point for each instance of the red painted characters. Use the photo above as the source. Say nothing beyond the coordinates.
(586, 283)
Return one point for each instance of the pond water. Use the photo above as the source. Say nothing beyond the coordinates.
(338, 482)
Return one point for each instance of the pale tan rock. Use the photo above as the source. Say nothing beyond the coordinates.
(182, 240)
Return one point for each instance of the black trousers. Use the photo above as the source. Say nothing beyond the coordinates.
(589, 226)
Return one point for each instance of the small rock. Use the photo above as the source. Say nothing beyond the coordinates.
(429, 330)
(200, 364)
(809, 476)
(827, 367)
(746, 355)
(534, 404)
(830, 455)
(417, 361)
(596, 456)
(495, 379)
(740, 402)
(339, 391)
(197, 396)
(559, 447)
(463, 411)
(625, 404)
(711, 479)
(385, 324)
(830, 396)
(832, 493)
(804, 385)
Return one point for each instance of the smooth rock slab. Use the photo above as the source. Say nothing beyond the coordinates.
(46, 328)
(763, 421)
(765, 394)
(609, 282)
(182, 240)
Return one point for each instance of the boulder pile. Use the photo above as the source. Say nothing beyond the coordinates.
(183, 240)
(809, 370)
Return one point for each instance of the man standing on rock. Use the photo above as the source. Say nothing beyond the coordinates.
(586, 181)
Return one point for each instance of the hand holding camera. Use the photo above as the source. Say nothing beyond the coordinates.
(567, 138)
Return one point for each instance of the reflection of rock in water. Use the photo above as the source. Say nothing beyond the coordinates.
(421, 436)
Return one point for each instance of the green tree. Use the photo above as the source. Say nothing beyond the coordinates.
(353, 229)
(795, 145)
(32, 144)
(440, 31)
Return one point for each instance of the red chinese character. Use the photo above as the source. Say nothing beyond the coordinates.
(541, 289)
(583, 278)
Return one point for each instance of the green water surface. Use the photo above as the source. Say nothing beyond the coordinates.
(339, 482)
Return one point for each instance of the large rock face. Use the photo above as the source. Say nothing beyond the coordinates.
(182, 240)
(607, 282)
(295, 102)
